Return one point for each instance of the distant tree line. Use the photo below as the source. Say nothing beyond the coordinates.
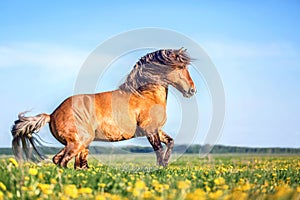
(189, 149)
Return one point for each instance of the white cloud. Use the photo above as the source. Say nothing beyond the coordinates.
(41, 55)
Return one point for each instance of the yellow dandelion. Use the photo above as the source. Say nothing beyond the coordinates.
(224, 187)
(14, 162)
(159, 187)
(30, 188)
(140, 184)
(207, 188)
(33, 171)
(219, 181)
(147, 195)
(197, 194)
(246, 187)
(41, 176)
(71, 190)
(1, 195)
(129, 189)
(215, 195)
(9, 195)
(100, 197)
(63, 197)
(53, 181)
(239, 195)
(102, 185)
(166, 187)
(136, 192)
(45, 188)
(24, 188)
(48, 192)
(257, 175)
(2, 186)
(183, 184)
(85, 190)
(42, 186)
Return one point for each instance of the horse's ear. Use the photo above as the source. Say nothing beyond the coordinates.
(181, 50)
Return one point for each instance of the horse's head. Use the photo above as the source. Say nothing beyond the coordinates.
(179, 76)
(162, 67)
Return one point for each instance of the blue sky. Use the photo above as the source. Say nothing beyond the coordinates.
(255, 45)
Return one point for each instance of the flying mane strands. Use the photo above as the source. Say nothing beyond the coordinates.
(152, 66)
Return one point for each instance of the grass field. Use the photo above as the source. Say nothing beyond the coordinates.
(136, 177)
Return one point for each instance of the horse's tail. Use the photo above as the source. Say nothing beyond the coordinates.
(22, 131)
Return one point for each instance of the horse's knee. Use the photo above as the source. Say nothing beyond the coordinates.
(170, 143)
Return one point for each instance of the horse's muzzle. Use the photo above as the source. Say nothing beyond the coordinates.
(190, 92)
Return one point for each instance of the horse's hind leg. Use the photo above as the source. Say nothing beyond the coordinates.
(81, 160)
(58, 157)
(77, 161)
(71, 151)
(169, 142)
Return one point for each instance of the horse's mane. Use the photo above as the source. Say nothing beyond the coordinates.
(151, 67)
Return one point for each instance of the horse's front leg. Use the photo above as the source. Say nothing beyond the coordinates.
(169, 142)
(156, 144)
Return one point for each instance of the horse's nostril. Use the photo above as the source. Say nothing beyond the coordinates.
(192, 90)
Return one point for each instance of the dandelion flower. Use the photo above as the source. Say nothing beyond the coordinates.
(2, 186)
(33, 171)
(53, 181)
(102, 185)
(85, 190)
(14, 162)
(1, 195)
(216, 195)
(183, 184)
(71, 191)
(219, 181)
(140, 185)
(9, 195)
(45, 188)
(100, 197)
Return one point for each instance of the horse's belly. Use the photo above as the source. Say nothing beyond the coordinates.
(113, 132)
(116, 120)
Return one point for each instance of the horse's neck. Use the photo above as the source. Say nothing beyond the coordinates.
(157, 92)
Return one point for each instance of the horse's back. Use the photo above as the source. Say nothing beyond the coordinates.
(103, 116)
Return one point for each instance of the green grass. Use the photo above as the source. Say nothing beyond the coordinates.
(137, 177)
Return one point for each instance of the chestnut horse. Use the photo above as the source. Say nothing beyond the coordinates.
(137, 108)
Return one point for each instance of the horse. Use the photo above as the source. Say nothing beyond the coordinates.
(136, 109)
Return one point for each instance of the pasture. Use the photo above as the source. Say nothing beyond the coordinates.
(137, 177)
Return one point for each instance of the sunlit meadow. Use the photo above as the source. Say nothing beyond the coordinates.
(189, 177)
